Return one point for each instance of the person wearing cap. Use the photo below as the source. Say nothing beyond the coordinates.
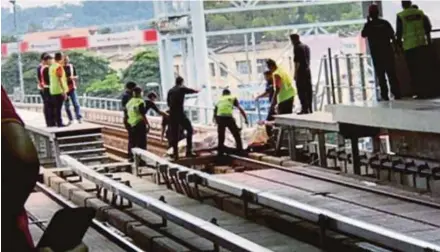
(71, 95)
(380, 35)
(58, 87)
(178, 118)
(43, 87)
(413, 34)
(284, 90)
(224, 119)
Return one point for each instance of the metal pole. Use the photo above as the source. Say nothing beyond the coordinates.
(338, 78)
(350, 78)
(327, 86)
(246, 49)
(20, 67)
(254, 57)
(362, 74)
(332, 83)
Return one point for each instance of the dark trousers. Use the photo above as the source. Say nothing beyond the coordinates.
(57, 103)
(384, 64)
(285, 107)
(305, 91)
(139, 136)
(47, 107)
(270, 117)
(177, 121)
(130, 139)
(417, 69)
(224, 122)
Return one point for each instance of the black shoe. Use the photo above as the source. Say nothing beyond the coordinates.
(191, 154)
(302, 112)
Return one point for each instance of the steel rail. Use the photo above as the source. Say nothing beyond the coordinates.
(98, 226)
(324, 218)
(201, 227)
(339, 182)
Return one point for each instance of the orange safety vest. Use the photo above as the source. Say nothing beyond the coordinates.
(42, 83)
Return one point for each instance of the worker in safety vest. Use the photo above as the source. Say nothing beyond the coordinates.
(413, 34)
(58, 87)
(137, 120)
(71, 95)
(284, 90)
(43, 87)
(224, 119)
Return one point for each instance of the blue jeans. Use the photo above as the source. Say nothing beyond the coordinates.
(71, 96)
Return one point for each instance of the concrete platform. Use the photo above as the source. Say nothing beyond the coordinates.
(317, 121)
(34, 121)
(409, 115)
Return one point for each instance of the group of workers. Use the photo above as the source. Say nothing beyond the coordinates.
(57, 85)
(413, 34)
(279, 89)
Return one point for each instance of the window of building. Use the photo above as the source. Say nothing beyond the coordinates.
(212, 69)
(223, 71)
(243, 66)
(177, 69)
(261, 65)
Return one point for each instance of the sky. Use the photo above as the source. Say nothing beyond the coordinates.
(36, 3)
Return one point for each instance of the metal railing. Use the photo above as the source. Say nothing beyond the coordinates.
(206, 229)
(324, 218)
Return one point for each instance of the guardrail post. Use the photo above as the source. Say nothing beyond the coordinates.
(362, 74)
(164, 221)
(327, 81)
(216, 246)
(323, 224)
(338, 79)
(350, 78)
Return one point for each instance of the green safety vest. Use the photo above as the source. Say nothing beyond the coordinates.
(55, 85)
(287, 90)
(413, 28)
(225, 105)
(133, 114)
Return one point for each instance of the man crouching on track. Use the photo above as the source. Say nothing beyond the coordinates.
(224, 119)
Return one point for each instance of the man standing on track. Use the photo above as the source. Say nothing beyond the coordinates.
(269, 93)
(224, 119)
(71, 95)
(284, 91)
(175, 100)
(58, 86)
(137, 120)
(303, 76)
(43, 86)
(380, 35)
(125, 98)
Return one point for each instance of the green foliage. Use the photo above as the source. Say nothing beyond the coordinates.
(8, 39)
(110, 86)
(89, 68)
(10, 79)
(144, 69)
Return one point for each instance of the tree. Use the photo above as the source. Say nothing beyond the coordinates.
(105, 30)
(144, 69)
(33, 27)
(110, 86)
(89, 67)
(10, 79)
(8, 39)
